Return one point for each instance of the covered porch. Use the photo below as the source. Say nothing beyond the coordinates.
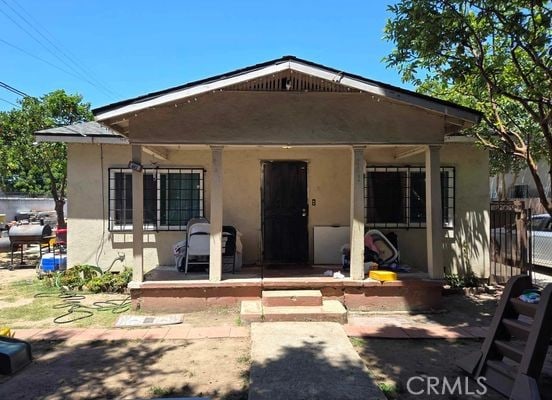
(280, 151)
(166, 289)
(303, 250)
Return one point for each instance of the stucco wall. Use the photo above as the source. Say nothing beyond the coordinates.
(466, 246)
(328, 183)
(524, 177)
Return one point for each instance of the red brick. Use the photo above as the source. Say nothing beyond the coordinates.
(178, 332)
(391, 332)
(209, 332)
(239, 331)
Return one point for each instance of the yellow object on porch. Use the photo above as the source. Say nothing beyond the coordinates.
(4, 331)
(382, 275)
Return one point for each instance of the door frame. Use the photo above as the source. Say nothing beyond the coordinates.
(261, 203)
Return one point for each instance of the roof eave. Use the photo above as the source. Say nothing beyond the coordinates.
(126, 107)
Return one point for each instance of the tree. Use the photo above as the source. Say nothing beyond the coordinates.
(492, 55)
(38, 168)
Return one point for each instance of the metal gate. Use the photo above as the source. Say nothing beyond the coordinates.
(510, 240)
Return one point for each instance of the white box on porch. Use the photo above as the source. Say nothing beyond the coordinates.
(327, 243)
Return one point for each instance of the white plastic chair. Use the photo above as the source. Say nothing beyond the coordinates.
(197, 247)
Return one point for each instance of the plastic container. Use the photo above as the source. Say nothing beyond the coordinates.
(53, 262)
(382, 275)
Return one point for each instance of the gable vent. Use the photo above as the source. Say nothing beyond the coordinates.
(290, 81)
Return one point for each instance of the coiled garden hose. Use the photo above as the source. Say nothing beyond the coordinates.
(71, 302)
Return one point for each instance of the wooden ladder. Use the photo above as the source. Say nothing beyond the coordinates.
(513, 353)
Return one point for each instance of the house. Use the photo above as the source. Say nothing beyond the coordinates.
(280, 150)
(521, 185)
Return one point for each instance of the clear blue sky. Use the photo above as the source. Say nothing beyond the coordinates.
(136, 47)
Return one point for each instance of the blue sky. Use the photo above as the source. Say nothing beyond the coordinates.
(128, 48)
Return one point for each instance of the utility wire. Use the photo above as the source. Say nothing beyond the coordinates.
(35, 25)
(39, 58)
(9, 102)
(13, 90)
(75, 72)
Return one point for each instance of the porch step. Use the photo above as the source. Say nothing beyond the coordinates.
(291, 298)
(330, 310)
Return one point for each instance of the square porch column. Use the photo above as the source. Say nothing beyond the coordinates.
(434, 217)
(137, 218)
(357, 212)
(215, 242)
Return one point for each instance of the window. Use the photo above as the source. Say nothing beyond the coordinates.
(519, 192)
(171, 197)
(395, 197)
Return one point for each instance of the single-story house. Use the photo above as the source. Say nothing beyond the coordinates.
(299, 157)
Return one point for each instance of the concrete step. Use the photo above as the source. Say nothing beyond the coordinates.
(330, 310)
(285, 298)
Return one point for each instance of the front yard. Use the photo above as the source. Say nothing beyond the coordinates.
(213, 367)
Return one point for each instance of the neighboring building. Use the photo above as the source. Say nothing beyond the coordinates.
(277, 150)
(520, 185)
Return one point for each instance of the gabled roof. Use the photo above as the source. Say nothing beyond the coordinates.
(82, 132)
(219, 82)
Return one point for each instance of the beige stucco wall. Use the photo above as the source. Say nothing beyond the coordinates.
(328, 183)
(286, 117)
(471, 223)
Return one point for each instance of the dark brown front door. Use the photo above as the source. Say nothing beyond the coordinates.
(285, 212)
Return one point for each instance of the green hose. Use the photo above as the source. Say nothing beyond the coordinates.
(76, 311)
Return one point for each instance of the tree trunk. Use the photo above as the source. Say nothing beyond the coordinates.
(540, 187)
(60, 214)
(502, 193)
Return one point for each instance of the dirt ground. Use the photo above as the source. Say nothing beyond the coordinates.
(393, 362)
(215, 368)
(457, 310)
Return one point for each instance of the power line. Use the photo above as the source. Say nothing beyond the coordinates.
(67, 54)
(9, 102)
(39, 58)
(75, 72)
(13, 90)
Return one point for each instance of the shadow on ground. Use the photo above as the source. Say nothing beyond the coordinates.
(393, 361)
(129, 370)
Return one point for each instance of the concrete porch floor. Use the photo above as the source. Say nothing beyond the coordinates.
(166, 289)
(266, 272)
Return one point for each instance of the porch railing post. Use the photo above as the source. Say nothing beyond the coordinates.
(357, 212)
(137, 217)
(215, 248)
(434, 217)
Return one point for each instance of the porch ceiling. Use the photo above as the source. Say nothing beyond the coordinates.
(286, 118)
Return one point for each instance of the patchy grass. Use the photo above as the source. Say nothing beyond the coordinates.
(357, 342)
(244, 359)
(28, 310)
(159, 391)
(390, 390)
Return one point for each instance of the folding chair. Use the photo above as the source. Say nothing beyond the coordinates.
(197, 243)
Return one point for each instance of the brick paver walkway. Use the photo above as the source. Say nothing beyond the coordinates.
(175, 332)
(179, 332)
(421, 331)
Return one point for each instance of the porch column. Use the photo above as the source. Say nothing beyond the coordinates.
(357, 212)
(215, 249)
(137, 217)
(434, 218)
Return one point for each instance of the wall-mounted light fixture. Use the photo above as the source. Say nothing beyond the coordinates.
(135, 166)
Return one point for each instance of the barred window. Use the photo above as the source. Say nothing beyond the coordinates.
(172, 196)
(395, 197)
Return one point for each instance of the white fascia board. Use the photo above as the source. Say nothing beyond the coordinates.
(193, 91)
(299, 67)
(81, 139)
(460, 139)
(388, 93)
